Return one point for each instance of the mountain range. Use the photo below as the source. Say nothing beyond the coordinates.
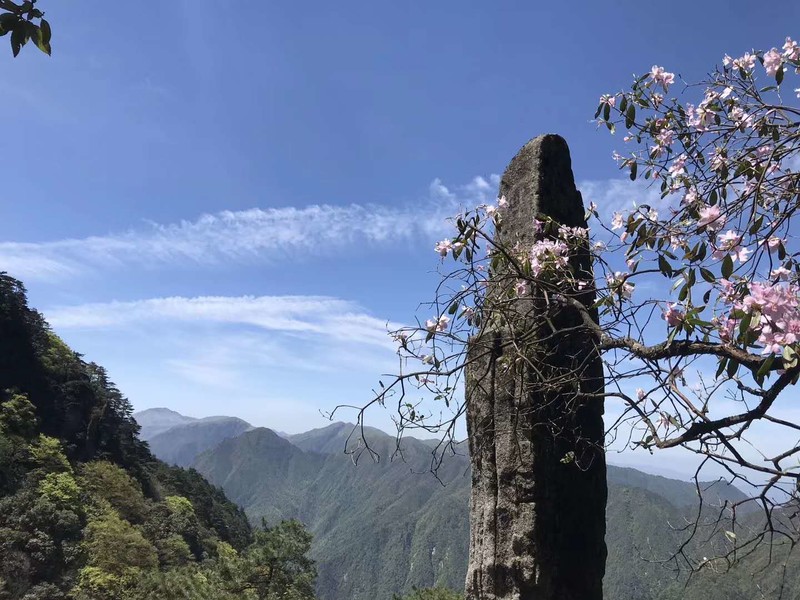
(383, 523)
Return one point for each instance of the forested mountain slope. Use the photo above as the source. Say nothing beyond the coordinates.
(87, 512)
(383, 527)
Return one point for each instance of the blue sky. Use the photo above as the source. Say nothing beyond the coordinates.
(225, 208)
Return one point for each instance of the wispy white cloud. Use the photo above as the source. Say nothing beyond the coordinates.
(250, 235)
(188, 353)
(272, 234)
(297, 315)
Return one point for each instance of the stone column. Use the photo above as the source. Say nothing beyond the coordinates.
(537, 510)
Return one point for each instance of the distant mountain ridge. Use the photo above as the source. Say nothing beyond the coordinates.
(157, 420)
(383, 527)
(179, 440)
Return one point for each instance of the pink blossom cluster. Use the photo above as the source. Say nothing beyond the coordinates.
(673, 315)
(779, 310)
(618, 284)
(702, 116)
(730, 244)
(711, 218)
(660, 76)
(608, 99)
(743, 63)
(437, 325)
(664, 139)
(548, 255)
(791, 50)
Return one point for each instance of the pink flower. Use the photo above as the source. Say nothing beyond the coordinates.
(502, 202)
(548, 254)
(608, 99)
(665, 137)
(443, 247)
(772, 62)
(730, 244)
(791, 50)
(741, 118)
(434, 325)
(640, 394)
(521, 288)
(774, 243)
(659, 75)
(746, 62)
(672, 315)
(400, 337)
(617, 221)
(676, 241)
(781, 274)
(678, 166)
(710, 218)
(727, 290)
(617, 283)
(727, 329)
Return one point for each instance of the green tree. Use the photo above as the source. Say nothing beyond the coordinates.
(102, 479)
(114, 545)
(275, 566)
(20, 21)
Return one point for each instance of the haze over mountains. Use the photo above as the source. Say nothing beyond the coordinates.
(381, 527)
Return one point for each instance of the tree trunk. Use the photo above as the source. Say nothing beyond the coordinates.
(537, 510)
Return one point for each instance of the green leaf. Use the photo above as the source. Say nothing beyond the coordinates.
(727, 266)
(664, 266)
(634, 168)
(35, 34)
(707, 275)
(7, 22)
(19, 37)
(721, 367)
(453, 308)
(779, 75)
(630, 116)
(606, 112)
(733, 366)
(744, 325)
(766, 366)
(46, 35)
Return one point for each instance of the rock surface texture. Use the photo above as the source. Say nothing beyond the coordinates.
(537, 509)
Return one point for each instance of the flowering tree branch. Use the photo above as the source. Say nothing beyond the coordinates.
(702, 356)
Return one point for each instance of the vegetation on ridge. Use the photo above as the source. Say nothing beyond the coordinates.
(87, 513)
